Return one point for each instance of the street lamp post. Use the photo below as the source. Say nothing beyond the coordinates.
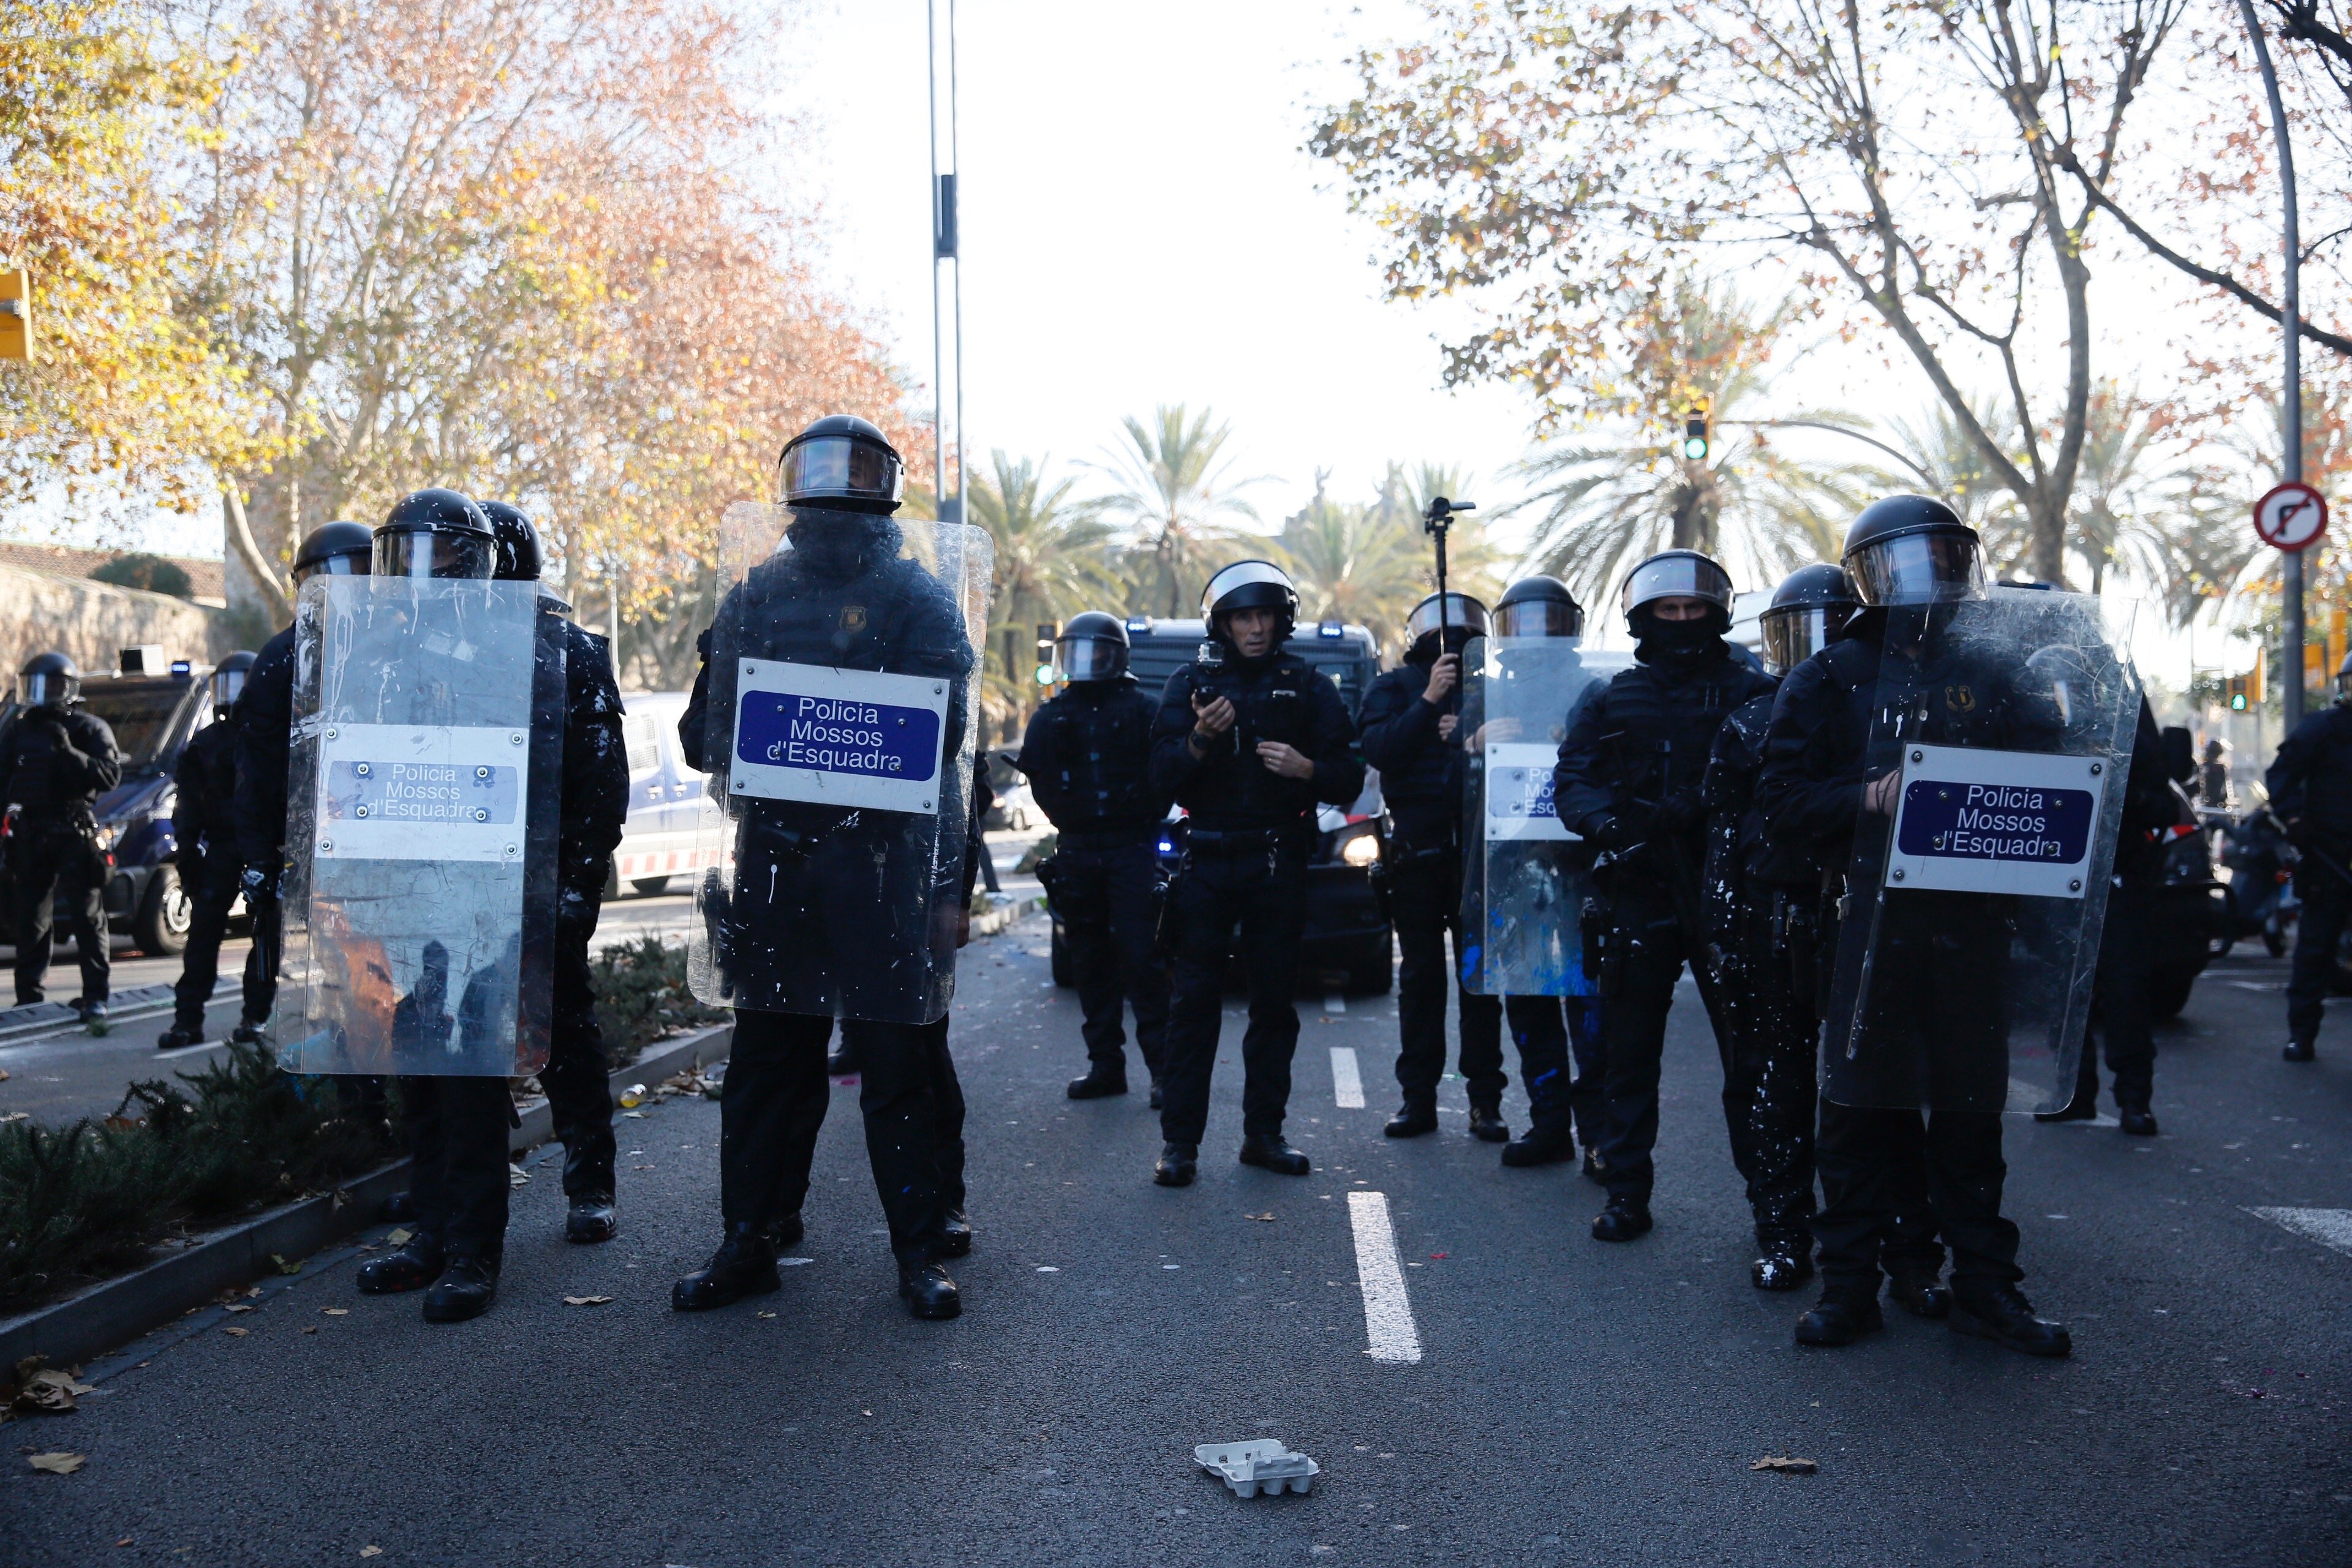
(2291, 321)
(947, 304)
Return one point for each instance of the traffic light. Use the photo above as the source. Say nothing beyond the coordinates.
(17, 313)
(1045, 632)
(1695, 436)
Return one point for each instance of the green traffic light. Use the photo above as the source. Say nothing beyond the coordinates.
(1694, 448)
(2238, 701)
(1044, 674)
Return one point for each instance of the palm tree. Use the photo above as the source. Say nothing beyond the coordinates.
(1175, 493)
(1356, 563)
(1049, 565)
(1473, 563)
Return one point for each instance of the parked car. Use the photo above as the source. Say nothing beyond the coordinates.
(1015, 810)
(665, 835)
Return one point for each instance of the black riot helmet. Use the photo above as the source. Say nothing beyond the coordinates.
(1464, 617)
(1677, 575)
(435, 533)
(227, 682)
(49, 680)
(1539, 606)
(1091, 647)
(842, 464)
(1808, 610)
(519, 559)
(1252, 585)
(337, 549)
(1913, 549)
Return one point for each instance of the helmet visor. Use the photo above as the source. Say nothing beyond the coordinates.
(1090, 658)
(1792, 637)
(1539, 618)
(1918, 569)
(350, 563)
(422, 554)
(1464, 619)
(1678, 577)
(46, 688)
(228, 685)
(838, 466)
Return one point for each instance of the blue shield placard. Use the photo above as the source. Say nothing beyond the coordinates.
(1996, 822)
(840, 737)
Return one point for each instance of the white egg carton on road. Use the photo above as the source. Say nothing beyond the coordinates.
(1249, 1467)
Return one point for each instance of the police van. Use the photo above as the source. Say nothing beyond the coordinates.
(660, 840)
(1346, 943)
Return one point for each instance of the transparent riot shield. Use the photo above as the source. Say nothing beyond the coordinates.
(1968, 933)
(422, 809)
(1525, 877)
(841, 712)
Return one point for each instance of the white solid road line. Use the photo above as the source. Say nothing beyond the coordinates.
(1388, 1313)
(1347, 1083)
(2329, 1227)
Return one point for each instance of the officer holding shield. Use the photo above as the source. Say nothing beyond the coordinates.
(831, 713)
(205, 840)
(1923, 979)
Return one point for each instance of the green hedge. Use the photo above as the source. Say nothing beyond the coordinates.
(642, 997)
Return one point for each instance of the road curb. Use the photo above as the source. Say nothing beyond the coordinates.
(114, 1312)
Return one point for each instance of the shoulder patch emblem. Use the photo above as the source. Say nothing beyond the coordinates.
(1960, 699)
(852, 618)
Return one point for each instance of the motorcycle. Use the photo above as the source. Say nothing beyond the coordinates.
(2260, 861)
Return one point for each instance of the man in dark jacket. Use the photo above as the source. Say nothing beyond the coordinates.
(1249, 741)
(207, 864)
(1629, 781)
(1087, 756)
(1410, 720)
(2310, 786)
(58, 758)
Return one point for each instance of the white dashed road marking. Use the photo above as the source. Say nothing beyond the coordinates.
(2330, 1227)
(1347, 1083)
(1388, 1313)
(1335, 1002)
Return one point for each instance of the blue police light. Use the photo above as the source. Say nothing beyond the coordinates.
(181, 666)
(1139, 622)
(1331, 629)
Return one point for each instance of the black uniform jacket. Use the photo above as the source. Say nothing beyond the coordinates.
(596, 764)
(1087, 756)
(1421, 775)
(56, 764)
(264, 719)
(204, 783)
(2310, 780)
(1278, 698)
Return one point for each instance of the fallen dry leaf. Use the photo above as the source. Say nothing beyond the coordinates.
(252, 1293)
(56, 1464)
(1785, 1466)
(336, 1311)
(767, 1314)
(240, 1333)
(311, 1329)
(15, 1116)
(236, 1307)
(1268, 1216)
(371, 1551)
(283, 1267)
(398, 1238)
(40, 1391)
(586, 1301)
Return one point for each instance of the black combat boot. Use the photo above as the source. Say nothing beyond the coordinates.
(1268, 1151)
(1847, 1310)
(594, 1218)
(2137, 1120)
(466, 1288)
(1179, 1163)
(2301, 1051)
(928, 1291)
(250, 1031)
(2000, 1313)
(1918, 1287)
(1102, 1081)
(180, 1036)
(413, 1265)
(744, 1265)
(1541, 1145)
(1486, 1124)
(955, 1232)
(787, 1230)
(1413, 1118)
(1786, 1261)
(1622, 1220)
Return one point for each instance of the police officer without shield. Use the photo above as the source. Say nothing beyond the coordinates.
(1249, 741)
(204, 783)
(1410, 722)
(264, 723)
(2310, 786)
(596, 806)
(1761, 899)
(58, 760)
(1928, 1016)
(833, 910)
(1087, 756)
(1628, 780)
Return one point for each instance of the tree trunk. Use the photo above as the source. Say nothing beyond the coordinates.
(265, 572)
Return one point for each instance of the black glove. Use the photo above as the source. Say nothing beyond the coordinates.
(1612, 830)
(1682, 811)
(260, 881)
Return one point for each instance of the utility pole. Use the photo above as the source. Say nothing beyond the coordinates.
(2290, 400)
(947, 270)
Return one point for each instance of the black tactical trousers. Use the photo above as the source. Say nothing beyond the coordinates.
(211, 885)
(1546, 1030)
(2121, 1015)
(1104, 897)
(1633, 1038)
(774, 1103)
(1425, 900)
(2326, 905)
(578, 1074)
(261, 963)
(1768, 1090)
(1263, 894)
(457, 1134)
(47, 856)
(1872, 1164)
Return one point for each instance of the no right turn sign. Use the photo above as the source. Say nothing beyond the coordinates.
(2291, 517)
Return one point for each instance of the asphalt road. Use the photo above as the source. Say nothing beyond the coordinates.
(1571, 1403)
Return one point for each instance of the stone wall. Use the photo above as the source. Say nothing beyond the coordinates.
(93, 622)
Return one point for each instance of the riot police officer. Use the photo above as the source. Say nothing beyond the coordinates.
(1761, 897)
(204, 781)
(264, 723)
(1249, 741)
(58, 759)
(836, 910)
(1628, 780)
(2310, 786)
(1409, 721)
(595, 804)
(1087, 756)
(1933, 1027)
